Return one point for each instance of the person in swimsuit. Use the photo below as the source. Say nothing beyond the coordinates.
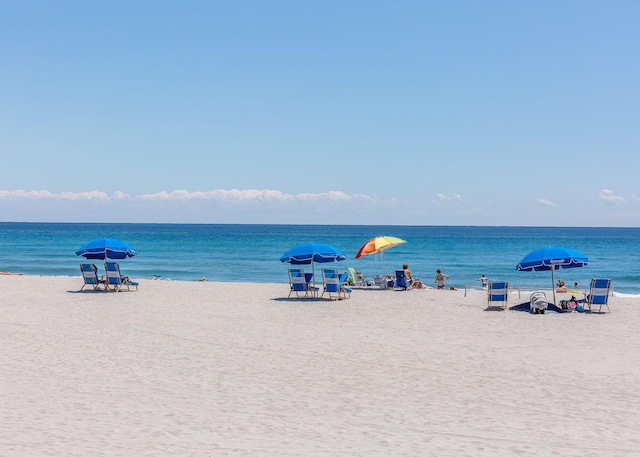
(561, 287)
(440, 279)
(407, 274)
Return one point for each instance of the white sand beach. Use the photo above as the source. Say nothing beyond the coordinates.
(236, 369)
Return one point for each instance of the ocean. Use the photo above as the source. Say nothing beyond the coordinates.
(250, 253)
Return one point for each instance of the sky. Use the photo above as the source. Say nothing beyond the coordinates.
(321, 112)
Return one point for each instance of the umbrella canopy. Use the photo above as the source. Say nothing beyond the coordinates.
(106, 248)
(351, 274)
(377, 245)
(311, 253)
(552, 258)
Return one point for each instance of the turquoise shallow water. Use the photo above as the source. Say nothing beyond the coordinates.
(251, 252)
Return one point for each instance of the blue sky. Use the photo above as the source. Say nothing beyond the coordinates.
(339, 112)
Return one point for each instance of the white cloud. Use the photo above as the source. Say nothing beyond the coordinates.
(46, 195)
(215, 206)
(607, 195)
(452, 197)
(545, 202)
(251, 195)
(635, 198)
(219, 195)
(120, 196)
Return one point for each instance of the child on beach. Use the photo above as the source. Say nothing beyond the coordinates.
(440, 279)
(389, 280)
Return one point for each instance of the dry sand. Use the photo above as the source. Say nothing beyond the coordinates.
(215, 369)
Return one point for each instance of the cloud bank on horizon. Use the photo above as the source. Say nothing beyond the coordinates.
(274, 206)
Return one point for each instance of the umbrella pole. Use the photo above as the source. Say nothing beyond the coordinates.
(313, 275)
(384, 276)
(553, 285)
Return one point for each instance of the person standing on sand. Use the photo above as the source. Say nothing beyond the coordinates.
(440, 279)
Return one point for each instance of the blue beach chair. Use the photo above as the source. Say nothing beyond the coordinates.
(344, 278)
(300, 282)
(90, 276)
(115, 281)
(598, 294)
(497, 292)
(333, 283)
(401, 281)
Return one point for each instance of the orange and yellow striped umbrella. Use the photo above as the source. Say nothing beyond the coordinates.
(378, 244)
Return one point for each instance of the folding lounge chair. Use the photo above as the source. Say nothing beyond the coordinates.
(401, 281)
(356, 278)
(90, 276)
(497, 292)
(351, 276)
(343, 285)
(300, 282)
(333, 283)
(115, 281)
(598, 294)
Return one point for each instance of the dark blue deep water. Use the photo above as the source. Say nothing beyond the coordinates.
(250, 253)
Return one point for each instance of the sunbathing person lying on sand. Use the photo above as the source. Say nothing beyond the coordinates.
(418, 284)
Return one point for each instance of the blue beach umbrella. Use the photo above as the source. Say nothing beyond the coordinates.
(106, 248)
(311, 253)
(552, 258)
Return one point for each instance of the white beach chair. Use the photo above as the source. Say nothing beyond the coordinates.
(538, 302)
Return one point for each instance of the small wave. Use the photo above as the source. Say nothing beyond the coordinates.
(621, 295)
